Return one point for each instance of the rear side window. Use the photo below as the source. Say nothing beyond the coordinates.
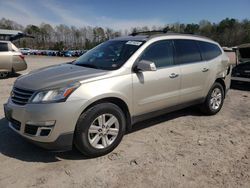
(209, 50)
(161, 53)
(4, 47)
(187, 51)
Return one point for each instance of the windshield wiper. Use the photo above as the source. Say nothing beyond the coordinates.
(87, 65)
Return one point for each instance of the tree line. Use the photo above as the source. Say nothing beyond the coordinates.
(228, 32)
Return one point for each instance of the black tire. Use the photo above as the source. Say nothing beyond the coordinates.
(84, 122)
(4, 75)
(206, 107)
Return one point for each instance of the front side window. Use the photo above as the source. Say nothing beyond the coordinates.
(209, 51)
(187, 51)
(161, 53)
(4, 47)
(109, 55)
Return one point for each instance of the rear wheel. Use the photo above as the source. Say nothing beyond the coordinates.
(214, 100)
(99, 130)
(3, 75)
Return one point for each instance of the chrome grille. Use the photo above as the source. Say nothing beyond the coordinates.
(21, 96)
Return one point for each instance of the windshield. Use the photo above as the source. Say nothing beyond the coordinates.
(109, 55)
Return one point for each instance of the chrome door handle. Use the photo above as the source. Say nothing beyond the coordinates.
(173, 75)
(205, 69)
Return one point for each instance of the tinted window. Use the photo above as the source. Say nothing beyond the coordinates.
(187, 51)
(161, 53)
(209, 50)
(3, 47)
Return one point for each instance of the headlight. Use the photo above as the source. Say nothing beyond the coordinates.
(55, 95)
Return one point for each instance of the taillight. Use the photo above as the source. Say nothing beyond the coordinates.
(22, 57)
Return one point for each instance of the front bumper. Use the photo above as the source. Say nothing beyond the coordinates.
(63, 143)
(59, 136)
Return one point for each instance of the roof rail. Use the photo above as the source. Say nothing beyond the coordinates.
(165, 30)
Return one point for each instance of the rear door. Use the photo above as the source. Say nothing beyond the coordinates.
(194, 71)
(154, 90)
(5, 57)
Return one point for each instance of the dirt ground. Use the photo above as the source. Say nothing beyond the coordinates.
(181, 149)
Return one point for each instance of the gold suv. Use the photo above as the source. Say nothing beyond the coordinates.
(93, 101)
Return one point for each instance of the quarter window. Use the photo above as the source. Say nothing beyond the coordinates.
(161, 53)
(3, 47)
(187, 51)
(209, 50)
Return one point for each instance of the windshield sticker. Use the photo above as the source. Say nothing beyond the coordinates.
(136, 43)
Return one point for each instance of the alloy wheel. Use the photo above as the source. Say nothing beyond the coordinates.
(103, 131)
(216, 99)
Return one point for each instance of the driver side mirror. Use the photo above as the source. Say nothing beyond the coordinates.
(145, 65)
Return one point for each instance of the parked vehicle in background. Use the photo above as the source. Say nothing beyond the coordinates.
(75, 53)
(33, 52)
(93, 101)
(60, 53)
(68, 53)
(241, 72)
(52, 52)
(44, 52)
(71, 53)
(25, 51)
(78, 53)
(11, 59)
(55, 53)
(82, 52)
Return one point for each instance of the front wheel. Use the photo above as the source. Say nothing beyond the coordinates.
(214, 100)
(99, 130)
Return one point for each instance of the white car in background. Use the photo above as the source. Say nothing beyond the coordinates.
(25, 51)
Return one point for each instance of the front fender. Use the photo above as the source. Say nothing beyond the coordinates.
(115, 87)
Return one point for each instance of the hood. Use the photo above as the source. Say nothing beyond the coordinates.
(56, 76)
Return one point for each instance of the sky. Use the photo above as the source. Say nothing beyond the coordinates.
(121, 14)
